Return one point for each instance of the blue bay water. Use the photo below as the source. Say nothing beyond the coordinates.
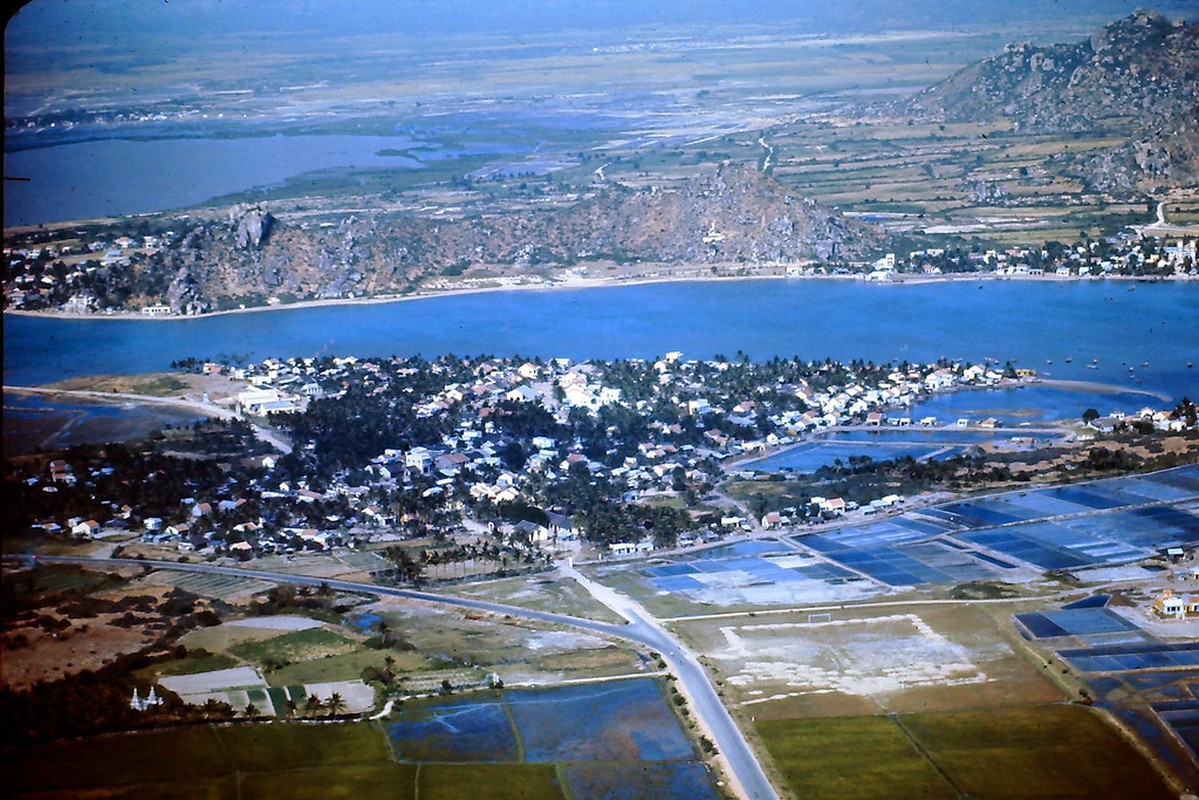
(1099, 324)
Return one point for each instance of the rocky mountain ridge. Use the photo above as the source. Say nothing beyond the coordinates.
(1138, 77)
(732, 215)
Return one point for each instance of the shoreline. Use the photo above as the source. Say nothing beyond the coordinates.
(1100, 388)
(123, 398)
(574, 283)
(1059, 427)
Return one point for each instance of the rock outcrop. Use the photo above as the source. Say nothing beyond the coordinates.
(252, 225)
(728, 215)
(1137, 77)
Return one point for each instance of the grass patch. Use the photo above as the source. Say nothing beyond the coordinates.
(57, 579)
(361, 782)
(114, 761)
(296, 646)
(216, 789)
(1042, 751)
(345, 667)
(851, 757)
(275, 760)
(159, 386)
(193, 665)
(541, 594)
(1059, 751)
(493, 781)
(282, 746)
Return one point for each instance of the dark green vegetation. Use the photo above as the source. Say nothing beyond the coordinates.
(209, 761)
(295, 646)
(501, 781)
(1059, 751)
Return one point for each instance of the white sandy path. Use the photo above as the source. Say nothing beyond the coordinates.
(214, 681)
(281, 623)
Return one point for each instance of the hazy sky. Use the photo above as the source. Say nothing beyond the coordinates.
(64, 20)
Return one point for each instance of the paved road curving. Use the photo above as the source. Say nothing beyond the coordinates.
(744, 771)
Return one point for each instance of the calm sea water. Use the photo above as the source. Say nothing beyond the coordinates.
(1102, 327)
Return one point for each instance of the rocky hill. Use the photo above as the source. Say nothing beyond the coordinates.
(733, 215)
(1138, 76)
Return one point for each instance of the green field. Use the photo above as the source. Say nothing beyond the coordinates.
(56, 579)
(1044, 751)
(302, 645)
(285, 759)
(492, 781)
(257, 761)
(851, 757)
(391, 781)
(190, 666)
(345, 667)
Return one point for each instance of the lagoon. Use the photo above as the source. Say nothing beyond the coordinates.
(1102, 328)
(84, 180)
(38, 421)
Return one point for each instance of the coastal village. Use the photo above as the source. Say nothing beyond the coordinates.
(414, 553)
(69, 272)
(509, 460)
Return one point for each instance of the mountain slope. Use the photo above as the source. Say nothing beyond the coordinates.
(1138, 77)
(731, 215)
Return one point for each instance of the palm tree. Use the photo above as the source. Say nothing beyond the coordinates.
(291, 707)
(335, 704)
(313, 704)
(215, 708)
(251, 711)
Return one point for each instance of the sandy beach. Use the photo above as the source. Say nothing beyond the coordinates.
(573, 282)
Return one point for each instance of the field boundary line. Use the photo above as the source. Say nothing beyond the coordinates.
(925, 754)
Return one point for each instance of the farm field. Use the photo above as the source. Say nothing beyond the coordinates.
(632, 745)
(425, 645)
(1039, 751)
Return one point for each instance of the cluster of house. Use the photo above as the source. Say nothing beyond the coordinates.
(717, 409)
(473, 465)
(662, 460)
(46, 276)
(49, 276)
(1161, 419)
(829, 508)
(1172, 605)
(1121, 254)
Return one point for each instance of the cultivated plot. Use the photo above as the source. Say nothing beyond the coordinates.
(1044, 751)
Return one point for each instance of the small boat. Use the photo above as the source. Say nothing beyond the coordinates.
(1069, 359)
(1049, 361)
(1189, 365)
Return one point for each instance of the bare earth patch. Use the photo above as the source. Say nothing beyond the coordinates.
(865, 657)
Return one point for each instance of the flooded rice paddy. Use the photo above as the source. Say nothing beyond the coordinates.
(613, 738)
